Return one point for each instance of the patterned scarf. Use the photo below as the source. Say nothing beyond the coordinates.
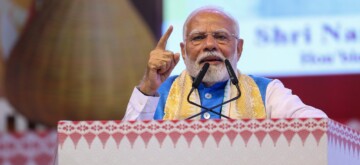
(248, 106)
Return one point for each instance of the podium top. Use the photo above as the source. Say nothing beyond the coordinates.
(203, 129)
(268, 141)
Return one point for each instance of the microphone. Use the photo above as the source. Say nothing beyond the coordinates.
(231, 72)
(200, 75)
(195, 85)
(233, 80)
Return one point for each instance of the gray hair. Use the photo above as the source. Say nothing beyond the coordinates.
(216, 9)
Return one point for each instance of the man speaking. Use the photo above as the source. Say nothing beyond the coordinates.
(207, 89)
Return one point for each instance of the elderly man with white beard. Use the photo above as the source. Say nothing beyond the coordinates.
(210, 35)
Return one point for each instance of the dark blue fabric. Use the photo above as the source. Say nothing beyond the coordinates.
(217, 96)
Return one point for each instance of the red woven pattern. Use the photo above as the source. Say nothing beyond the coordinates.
(217, 129)
(28, 148)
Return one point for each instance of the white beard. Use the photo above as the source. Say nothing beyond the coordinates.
(215, 73)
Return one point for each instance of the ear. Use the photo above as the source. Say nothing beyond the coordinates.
(239, 48)
(182, 46)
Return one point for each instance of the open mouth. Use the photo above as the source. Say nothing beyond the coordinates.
(211, 59)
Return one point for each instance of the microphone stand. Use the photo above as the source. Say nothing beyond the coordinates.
(196, 83)
(211, 109)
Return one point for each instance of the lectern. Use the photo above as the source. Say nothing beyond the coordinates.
(207, 142)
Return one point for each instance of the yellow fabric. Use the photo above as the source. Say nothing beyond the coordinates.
(248, 106)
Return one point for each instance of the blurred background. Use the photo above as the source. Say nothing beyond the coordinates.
(79, 60)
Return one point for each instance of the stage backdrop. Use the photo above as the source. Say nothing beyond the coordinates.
(313, 49)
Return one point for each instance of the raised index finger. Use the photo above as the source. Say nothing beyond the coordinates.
(162, 42)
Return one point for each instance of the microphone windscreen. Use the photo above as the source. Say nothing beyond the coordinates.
(200, 75)
(231, 72)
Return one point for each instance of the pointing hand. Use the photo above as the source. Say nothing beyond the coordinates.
(160, 65)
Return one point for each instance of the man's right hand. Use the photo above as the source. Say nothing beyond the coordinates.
(160, 65)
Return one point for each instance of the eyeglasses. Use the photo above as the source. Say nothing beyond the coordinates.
(220, 37)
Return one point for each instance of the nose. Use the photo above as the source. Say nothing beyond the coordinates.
(210, 43)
